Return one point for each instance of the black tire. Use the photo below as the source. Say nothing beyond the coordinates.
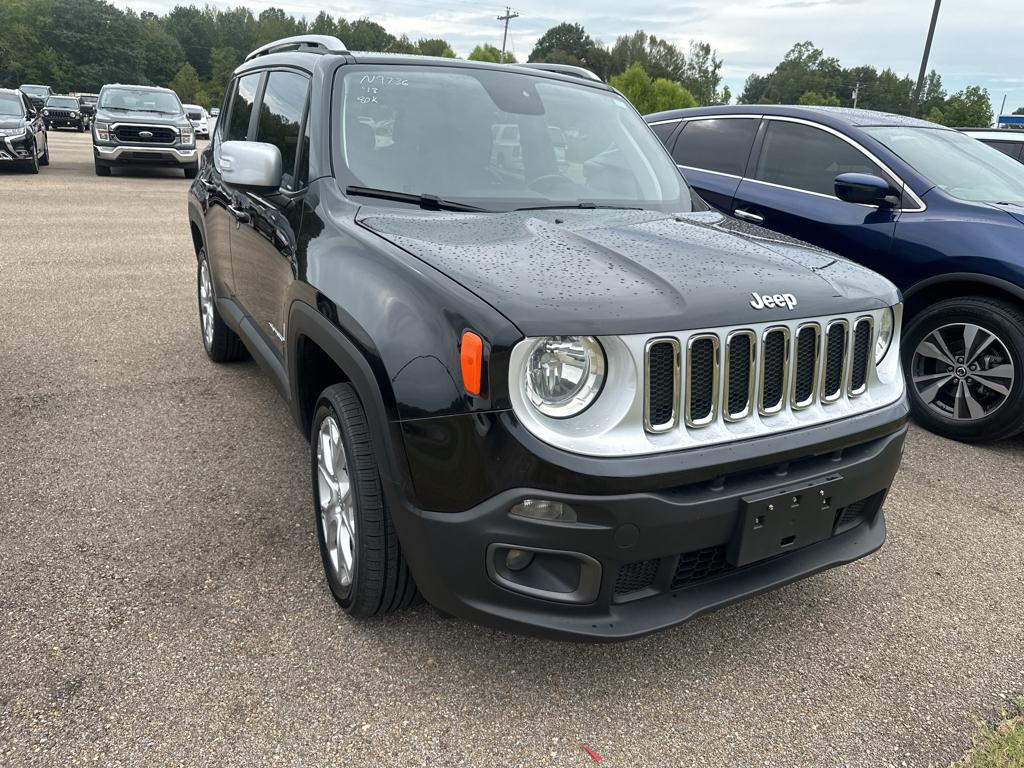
(102, 169)
(223, 345)
(32, 165)
(81, 128)
(191, 171)
(381, 580)
(1006, 321)
(45, 159)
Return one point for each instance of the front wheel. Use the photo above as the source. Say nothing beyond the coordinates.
(964, 364)
(45, 159)
(220, 342)
(363, 562)
(191, 171)
(102, 169)
(32, 165)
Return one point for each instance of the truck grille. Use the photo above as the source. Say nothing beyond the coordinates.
(60, 114)
(132, 134)
(800, 368)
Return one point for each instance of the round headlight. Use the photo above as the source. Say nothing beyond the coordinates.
(885, 331)
(46, 112)
(564, 374)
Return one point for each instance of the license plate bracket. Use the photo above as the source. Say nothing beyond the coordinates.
(780, 521)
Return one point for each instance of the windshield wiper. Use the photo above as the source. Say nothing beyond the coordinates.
(427, 202)
(584, 204)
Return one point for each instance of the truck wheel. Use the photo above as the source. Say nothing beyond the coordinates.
(191, 171)
(220, 342)
(361, 554)
(102, 169)
(964, 364)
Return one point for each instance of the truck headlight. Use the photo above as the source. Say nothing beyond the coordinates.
(886, 327)
(102, 131)
(186, 137)
(564, 374)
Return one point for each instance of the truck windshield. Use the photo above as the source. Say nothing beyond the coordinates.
(960, 166)
(499, 140)
(62, 102)
(35, 90)
(140, 100)
(10, 105)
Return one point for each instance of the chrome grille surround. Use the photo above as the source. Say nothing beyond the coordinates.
(691, 371)
(855, 389)
(649, 424)
(800, 365)
(835, 326)
(732, 341)
(615, 424)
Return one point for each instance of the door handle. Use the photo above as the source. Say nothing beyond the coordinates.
(754, 218)
(241, 217)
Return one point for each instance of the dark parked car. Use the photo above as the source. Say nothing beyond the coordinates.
(142, 125)
(938, 213)
(64, 112)
(1009, 142)
(22, 132)
(88, 102)
(37, 94)
(575, 402)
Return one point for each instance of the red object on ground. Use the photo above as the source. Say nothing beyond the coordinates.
(594, 756)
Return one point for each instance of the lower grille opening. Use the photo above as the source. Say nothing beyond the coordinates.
(635, 576)
(700, 565)
(854, 514)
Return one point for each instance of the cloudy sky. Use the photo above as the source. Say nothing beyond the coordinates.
(976, 42)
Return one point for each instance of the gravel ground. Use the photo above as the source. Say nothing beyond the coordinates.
(161, 600)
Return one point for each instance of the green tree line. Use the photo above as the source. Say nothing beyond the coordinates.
(79, 45)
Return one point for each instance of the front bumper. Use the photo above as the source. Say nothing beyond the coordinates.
(15, 149)
(146, 155)
(644, 560)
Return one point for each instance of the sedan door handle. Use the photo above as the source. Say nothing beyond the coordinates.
(754, 218)
(242, 217)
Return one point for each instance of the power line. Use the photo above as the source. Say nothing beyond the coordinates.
(509, 15)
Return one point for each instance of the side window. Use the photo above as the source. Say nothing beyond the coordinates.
(807, 158)
(284, 102)
(721, 145)
(664, 130)
(1006, 147)
(237, 125)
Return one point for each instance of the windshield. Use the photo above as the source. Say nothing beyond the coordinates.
(140, 100)
(194, 114)
(87, 99)
(10, 105)
(499, 140)
(35, 90)
(62, 102)
(957, 164)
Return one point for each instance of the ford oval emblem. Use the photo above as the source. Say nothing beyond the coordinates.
(145, 134)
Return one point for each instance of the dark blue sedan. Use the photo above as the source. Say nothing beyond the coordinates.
(937, 212)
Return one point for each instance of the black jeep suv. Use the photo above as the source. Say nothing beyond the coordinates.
(64, 112)
(22, 132)
(564, 397)
(142, 125)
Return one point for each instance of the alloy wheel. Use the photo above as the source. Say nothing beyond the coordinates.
(337, 503)
(206, 303)
(962, 371)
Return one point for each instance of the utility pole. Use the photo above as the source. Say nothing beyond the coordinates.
(927, 51)
(1002, 108)
(856, 91)
(509, 15)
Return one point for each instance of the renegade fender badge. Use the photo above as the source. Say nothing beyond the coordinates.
(776, 300)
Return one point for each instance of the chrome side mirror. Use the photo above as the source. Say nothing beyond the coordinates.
(251, 164)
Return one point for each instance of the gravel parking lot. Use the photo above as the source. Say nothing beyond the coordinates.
(162, 603)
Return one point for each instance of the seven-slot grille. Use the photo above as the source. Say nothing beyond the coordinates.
(62, 114)
(808, 365)
(132, 134)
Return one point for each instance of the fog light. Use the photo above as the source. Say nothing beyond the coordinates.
(543, 509)
(517, 559)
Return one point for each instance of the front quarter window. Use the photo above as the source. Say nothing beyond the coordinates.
(498, 140)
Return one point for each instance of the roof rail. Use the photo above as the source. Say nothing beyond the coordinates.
(311, 43)
(564, 69)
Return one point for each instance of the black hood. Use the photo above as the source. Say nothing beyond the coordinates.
(611, 271)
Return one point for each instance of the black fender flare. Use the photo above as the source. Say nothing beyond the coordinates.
(963, 277)
(305, 321)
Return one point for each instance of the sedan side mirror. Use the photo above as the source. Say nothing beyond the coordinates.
(866, 189)
(251, 164)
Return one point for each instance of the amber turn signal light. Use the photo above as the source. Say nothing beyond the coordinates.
(472, 356)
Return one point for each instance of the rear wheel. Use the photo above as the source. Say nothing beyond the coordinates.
(964, 364)
(220, 342)
(363, 562)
